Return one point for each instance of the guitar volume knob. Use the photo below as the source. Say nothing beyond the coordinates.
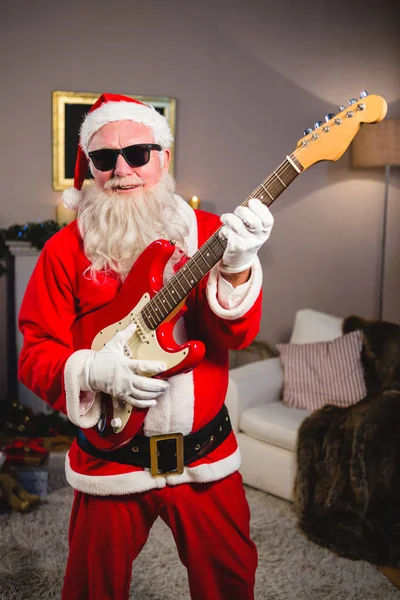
(116, 422)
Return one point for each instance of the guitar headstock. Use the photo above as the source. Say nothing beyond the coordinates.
(329, 140)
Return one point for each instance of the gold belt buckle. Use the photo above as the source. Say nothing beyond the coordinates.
(178, 437)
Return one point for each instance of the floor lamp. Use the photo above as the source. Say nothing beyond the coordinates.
(379, 146)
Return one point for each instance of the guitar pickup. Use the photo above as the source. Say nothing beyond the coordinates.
(140, 330)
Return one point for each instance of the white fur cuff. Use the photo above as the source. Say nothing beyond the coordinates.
(83, 408)
(247, 302)
(110, 112)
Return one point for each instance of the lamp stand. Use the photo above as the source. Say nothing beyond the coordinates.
(383, 243)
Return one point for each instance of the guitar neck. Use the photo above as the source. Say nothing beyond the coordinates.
(179, 286)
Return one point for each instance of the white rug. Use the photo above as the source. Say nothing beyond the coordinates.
(33, 550)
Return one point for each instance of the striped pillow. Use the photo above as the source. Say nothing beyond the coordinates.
(323, 373)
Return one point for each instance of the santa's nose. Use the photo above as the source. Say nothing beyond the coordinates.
(122, 168)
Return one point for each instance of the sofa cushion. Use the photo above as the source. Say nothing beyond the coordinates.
(273, 423)
(323, 373)
(313, 326)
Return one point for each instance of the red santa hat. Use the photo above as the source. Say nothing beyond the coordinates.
(107, 109)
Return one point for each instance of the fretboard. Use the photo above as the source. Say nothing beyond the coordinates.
(188, 276)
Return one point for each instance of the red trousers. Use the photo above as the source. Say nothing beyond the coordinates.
(210, 525)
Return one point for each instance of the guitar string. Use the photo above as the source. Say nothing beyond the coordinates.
(281, 170)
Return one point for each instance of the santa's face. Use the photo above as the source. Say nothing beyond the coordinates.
(124, 179)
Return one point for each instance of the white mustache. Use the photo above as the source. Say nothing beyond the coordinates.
(117, 182)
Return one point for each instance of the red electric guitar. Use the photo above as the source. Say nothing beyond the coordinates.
(155, 307)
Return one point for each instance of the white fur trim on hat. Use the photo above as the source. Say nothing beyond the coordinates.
(126, 111)
(71, 197)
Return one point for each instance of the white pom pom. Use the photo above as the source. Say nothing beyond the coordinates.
(71, 198)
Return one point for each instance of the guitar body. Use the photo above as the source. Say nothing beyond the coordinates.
(95, 329)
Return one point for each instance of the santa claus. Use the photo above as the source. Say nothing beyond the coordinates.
(130, 203)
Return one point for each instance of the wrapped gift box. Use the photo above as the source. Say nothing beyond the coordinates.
(28, 452)
(34, 479)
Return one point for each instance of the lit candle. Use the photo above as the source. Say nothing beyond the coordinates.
(64, 214)
(194, 202)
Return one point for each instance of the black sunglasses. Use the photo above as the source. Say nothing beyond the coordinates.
(136, 156)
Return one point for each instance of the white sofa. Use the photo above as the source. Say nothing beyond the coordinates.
(266, 429)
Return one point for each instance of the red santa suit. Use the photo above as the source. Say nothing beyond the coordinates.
(59, 291)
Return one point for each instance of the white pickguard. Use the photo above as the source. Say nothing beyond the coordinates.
(143, 345)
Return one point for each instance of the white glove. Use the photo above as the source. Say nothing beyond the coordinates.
(245, 231)
(111, 371)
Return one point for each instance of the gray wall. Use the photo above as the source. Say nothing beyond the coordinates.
(248, 78)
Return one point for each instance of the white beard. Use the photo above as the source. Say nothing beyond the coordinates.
(116, 227)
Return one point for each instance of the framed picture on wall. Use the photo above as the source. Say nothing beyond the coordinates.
(69, 109)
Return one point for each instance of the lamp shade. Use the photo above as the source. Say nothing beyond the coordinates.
(377, 145)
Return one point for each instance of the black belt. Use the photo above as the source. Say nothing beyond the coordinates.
(165, 454)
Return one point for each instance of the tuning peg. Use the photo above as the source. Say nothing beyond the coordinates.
(329, 116)
(364, 94)
(317, 124)
(352, 101)
(307, 131)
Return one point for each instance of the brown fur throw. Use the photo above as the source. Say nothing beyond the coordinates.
(347, 488)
